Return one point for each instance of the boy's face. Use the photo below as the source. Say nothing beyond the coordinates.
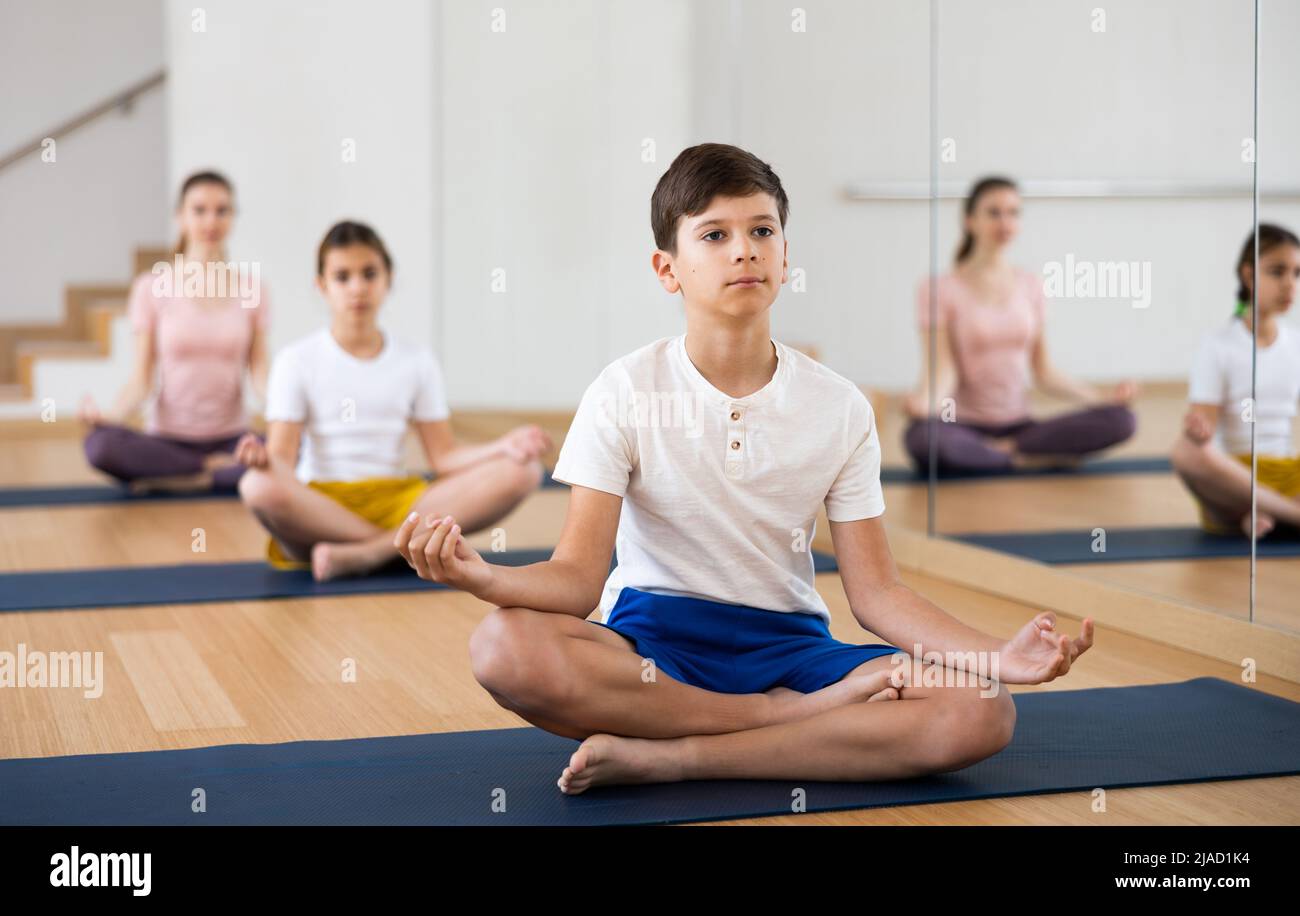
(734, 238)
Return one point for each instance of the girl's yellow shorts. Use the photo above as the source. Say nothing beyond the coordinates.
(382, 501)
(1280, 474)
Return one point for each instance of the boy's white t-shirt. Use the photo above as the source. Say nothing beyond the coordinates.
(1221, 375)
(721, 494)
(355, 411)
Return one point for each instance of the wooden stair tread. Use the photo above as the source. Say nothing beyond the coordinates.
(57, 347)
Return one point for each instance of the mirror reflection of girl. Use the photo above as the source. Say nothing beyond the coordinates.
(1212, 456)
(989, 340)
(191, 354)
(339, 405)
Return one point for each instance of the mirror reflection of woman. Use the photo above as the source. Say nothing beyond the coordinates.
(989, 344)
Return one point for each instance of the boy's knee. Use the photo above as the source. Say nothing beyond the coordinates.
(971, 728)
(508, 656)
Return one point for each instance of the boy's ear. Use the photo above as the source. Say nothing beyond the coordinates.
(785, 261)
(662, 264)
(320, 284)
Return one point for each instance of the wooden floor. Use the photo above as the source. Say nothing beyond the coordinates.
(205, 674)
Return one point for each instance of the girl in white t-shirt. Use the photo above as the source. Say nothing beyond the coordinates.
(1213, 455)
(330, 484)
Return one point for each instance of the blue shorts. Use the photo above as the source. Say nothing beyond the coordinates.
(729, 648)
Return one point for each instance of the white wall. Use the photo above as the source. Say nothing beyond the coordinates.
(521, 151)
(79, 218)
(543, 178)
(268, 94)
(68, 55)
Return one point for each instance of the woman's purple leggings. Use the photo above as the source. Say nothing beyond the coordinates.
(963, 446)
(129, 455)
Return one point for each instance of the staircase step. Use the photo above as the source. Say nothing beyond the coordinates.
(99, 323)
(146, 258)
(45, 349)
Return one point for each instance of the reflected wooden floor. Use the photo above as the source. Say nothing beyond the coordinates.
(1122, 500)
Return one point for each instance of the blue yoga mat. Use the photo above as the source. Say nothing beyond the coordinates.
(1131, 545)
(96, 494)
(1065, 741)
(195, 582)
(1160, 465)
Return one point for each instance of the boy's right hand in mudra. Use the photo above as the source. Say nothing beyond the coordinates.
(436, 550)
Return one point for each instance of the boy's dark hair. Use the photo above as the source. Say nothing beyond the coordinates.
(699, 174)
(1270, 236)
(346, 233)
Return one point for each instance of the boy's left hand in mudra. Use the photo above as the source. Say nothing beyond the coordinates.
(1038, 654)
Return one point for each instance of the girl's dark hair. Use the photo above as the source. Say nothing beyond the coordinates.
(346, 233)
(1270, 236)
(978, 190)
(198, 178)
(700, 173)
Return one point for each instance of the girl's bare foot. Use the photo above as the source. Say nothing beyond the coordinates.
(1034, 462)
(215, 461)
(612, 760)
(189, 483)
(1264, 523)
(334, 561)
(1003, 444)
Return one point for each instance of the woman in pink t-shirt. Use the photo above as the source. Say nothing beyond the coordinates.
(989, 346)
(200, 325)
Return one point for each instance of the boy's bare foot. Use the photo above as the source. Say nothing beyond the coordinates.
(789, 705)
(612, 760)
(1264, 523)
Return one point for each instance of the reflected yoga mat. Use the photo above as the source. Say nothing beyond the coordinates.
(1158, 465)
(1132, 544)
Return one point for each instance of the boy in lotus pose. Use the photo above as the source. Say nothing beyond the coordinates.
(714, 659)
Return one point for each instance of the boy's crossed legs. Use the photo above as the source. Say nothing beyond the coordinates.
(309, 524)
(584, 681)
